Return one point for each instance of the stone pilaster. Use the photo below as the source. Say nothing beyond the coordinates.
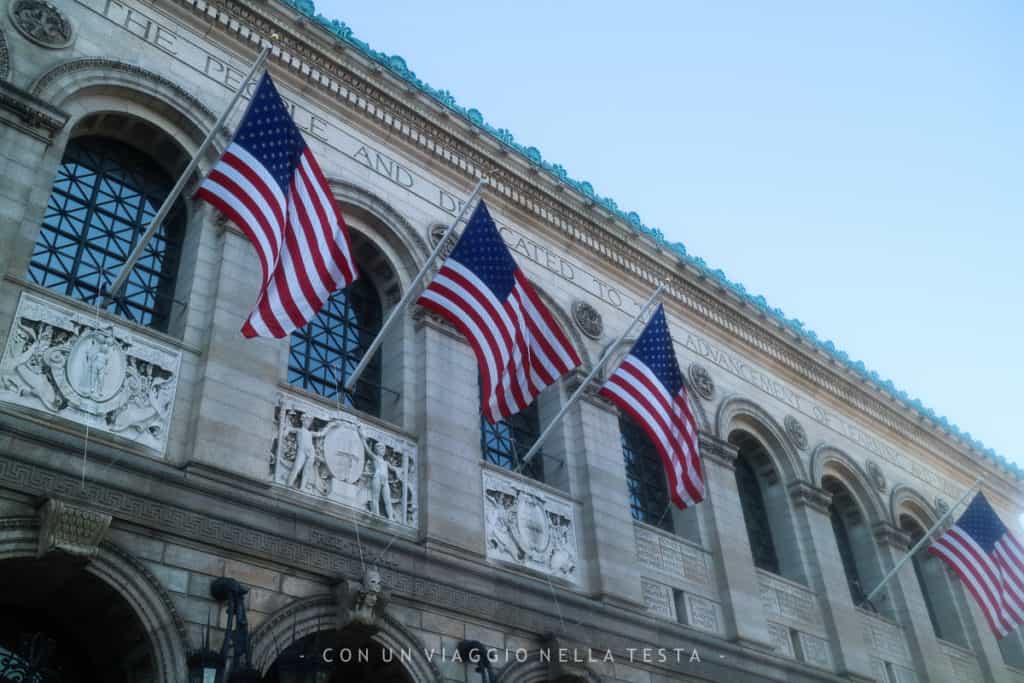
(745, 618)
(827, 578)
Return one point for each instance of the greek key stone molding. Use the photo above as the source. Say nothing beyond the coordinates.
(41, 22)
(5, 58)
(333, 455)
(71, 529)
(63, 362)
(877, 476)
(796, 432)
(816, 499)
(700, 380)
(659, 600)
(789, 603)
(530, 527)
(587, 319)
(677, 563)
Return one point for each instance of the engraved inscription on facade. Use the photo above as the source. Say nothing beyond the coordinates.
(674, 558)
(815, 651)
(333, 455)
(885, 639)
(64, 362)
(529, 526)
(789, 602)
(658, 599)
(702, 613)
(780, 639)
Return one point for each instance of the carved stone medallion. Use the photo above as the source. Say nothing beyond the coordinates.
(530, 527)
(796, 432)
(68, 363)
(5, 58)
(435, 232)
(41, 22)
(877, 476)
(587, 318)
(941, 506)
(701, 381)
(332, 455)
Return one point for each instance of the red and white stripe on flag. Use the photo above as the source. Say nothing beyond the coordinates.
(270, 185)
(990, 562)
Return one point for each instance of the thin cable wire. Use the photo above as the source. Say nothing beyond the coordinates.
(558, 607)
(97, 299)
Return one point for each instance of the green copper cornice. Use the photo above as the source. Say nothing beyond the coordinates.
(397, 65)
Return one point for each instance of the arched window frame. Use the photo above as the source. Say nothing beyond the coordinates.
(855, 541)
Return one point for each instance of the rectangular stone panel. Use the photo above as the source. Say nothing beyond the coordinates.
(79, 366)
(658, 599)
(703, 613)
(885, 639)
(529, 526)
(963, 665)
(779, 635)
(815, 651)
(679, 563)
(790, 603)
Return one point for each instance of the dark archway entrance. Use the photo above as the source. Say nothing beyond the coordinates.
(337, 661)
(84, 629)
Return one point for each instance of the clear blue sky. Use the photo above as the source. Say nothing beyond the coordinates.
(860, 166)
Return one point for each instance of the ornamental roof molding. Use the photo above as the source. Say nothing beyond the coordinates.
(391, 88)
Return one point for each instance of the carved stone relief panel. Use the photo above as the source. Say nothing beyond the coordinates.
(679, 563)
(793, 604)
(658, 599)
(779, 635)
(815, 651)
(64, 362)
(41, 22)
(529, 526)
(885, 640)
(332, 455)
(703, 613)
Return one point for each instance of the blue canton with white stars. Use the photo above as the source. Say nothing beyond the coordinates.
(654, 348)
(982, 523)
(481, 250)
(268, 133)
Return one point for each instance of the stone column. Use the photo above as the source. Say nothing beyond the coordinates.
(606, 525)
(448, 418)
(745, 619)
(827, 578)
(902, 596)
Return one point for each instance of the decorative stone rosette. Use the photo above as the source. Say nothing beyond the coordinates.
(529, 527)
(41, 22)
(333, 455)
(796, 432)
(700, 380)
(65, 362)
(587, 319)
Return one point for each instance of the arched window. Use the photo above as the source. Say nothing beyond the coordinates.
(326, 351)
(505, 443)
(855, 543)
(103, 198)
(645, 475)
(933, 579)
(766, 513)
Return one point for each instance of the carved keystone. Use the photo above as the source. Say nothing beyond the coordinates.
(565, 669)
(73, 530)
(361, 605)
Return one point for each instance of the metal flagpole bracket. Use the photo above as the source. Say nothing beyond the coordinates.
(175, 192)
(917, 546)
(593, 373)
(410, 292)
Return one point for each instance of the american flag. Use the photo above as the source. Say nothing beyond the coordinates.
(990, 562)
(270, 185)
(649, 387)
(518, 345)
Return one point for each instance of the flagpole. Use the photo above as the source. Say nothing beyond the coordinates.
(917, 546)
(593, 372)
(409, 292)
(165, 208)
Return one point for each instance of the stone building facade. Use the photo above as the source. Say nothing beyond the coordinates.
(147, 449)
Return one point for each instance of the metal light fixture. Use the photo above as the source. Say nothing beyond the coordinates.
(473, 651)
(236, 635)
(205, 666)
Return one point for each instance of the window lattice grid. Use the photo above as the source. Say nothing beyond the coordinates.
(325, 352)
(846, 554)
(755, 517)
(645, 476)
(504, 443)
(103, 198)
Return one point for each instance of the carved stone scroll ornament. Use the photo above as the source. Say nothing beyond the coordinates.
(700, 380)
(587, 319)
(796, 432)
(68, 363)
(330, 454)
(529, 527)
(41, 22)
(70, 529)
(361, 604)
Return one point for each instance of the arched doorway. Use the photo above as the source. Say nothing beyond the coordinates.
(323, 657)
(71, 624)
